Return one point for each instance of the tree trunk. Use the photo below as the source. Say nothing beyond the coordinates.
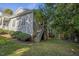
(45, 33)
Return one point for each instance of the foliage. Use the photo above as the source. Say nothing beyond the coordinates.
(46, 13)
(13, 34)
(8, 11)
(66, 17)
(60, 19)
(4, 31)
(19, 35)
(38, 16)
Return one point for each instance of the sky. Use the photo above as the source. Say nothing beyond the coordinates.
(14, 6)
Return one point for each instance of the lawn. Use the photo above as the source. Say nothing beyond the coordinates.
(51, 47)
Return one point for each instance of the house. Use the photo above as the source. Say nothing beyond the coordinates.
(22, 20)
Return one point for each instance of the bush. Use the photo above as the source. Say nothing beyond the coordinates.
(3, 31)
(19, 35)
(12, 33)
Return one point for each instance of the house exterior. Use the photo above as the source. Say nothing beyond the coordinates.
(22, 20)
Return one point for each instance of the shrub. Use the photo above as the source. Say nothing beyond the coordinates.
(3, 31)
(19, 35)
(12, 33)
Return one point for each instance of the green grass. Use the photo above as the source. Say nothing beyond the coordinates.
(50, 47)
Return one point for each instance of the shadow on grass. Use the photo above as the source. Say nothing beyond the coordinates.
(51, 47)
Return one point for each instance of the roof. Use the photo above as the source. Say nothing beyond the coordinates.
(22, 10)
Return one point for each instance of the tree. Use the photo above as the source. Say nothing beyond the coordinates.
(66, 18)
(38, 15)
(46, 11)
(8, 11)
(62, 18)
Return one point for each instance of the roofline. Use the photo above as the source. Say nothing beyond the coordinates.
(21, 15)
